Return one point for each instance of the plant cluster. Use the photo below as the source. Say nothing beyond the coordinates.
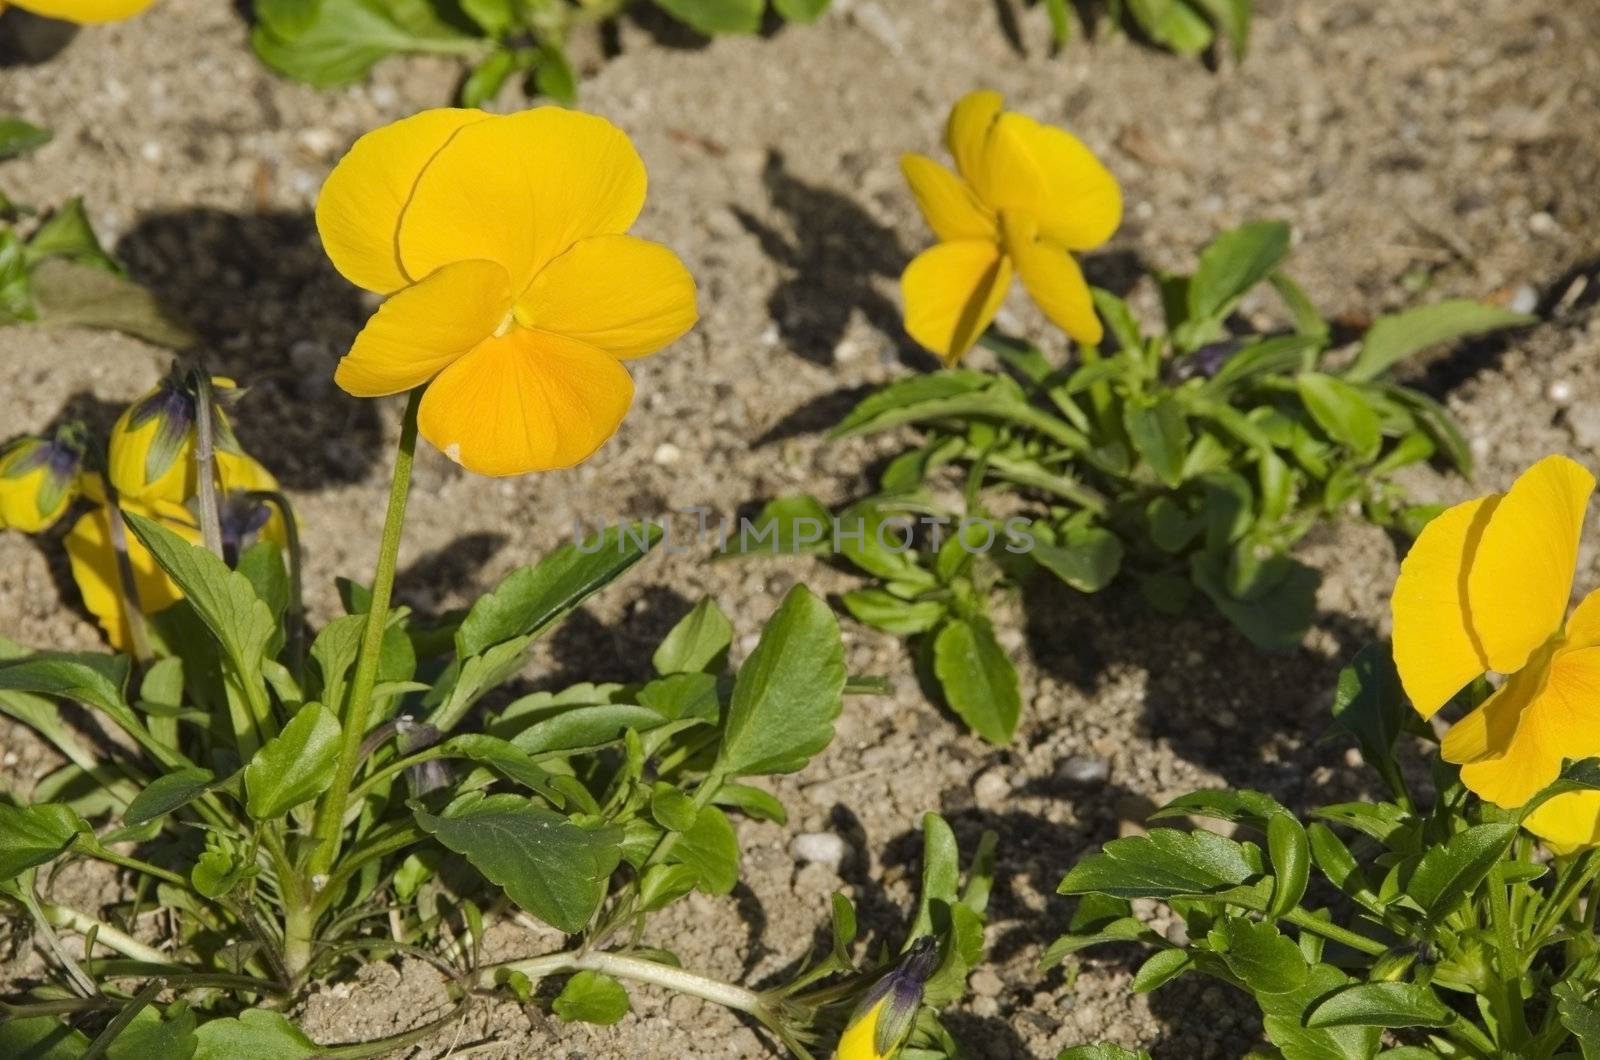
(334, 42)
(1188, 459)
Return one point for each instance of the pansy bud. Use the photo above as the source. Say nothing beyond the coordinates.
(39, 478)
(152, 443)
(883, 1019)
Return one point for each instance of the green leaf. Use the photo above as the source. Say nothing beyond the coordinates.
(1233, 16)
(1261, 956)
(1448, 872)
(1235, 261)
(554, 76)
(1389, 1005)
(787, 693)
(494, 17)
(1345, 412)
(753, 802)
(149, 1037)
(1437, 422)
(1274, 620)
(86, 677)
(590, 997)
(710, 847)
(295, 766)
(1085, 557)
(662, 885)
(1580, 1016)
(348, 37)
(1160, 433)
(941, 872)
(219, 871)
(69, 235)
(582, 727)
(1172, 23)
(224, 599)
(1102, 1051)
(531, 599)
(488, 77)
(672, 809)
(1162, 967)
(698, 643)
(785, 526)
(258, 1033)
(977, 678)
(71, 294)
(1290, 852)
(884, 610)
(18, 137)
(554, 869)
(41, 1038)
(503, 756)
(287, 18)
(1166, 863)
(167, 793)
(1060, 23)
(843, 923)
(34, 835)
(1394, 338)
(800, 10)
(716, 16)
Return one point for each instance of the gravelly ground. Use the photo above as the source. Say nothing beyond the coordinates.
(1444, 147)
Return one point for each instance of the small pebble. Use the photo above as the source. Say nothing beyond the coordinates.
(819, 848)
(1542, 224)
(1559, 391)
(667, 453)
(1524, 299)
(990, 788)
(984, 983)
(1081, 769)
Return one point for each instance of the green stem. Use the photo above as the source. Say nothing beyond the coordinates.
(638, 970)
(295, 617)
(205, 458)
(100, 853)
(63, 917)
(1334, 933)
(330, 811)
(1508, 963)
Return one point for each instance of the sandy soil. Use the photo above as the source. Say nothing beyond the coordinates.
(1443, 147)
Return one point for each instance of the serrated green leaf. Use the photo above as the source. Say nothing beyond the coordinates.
(1160, 969)
(294, 766)
(710, 847)
(1235, 261)
(1451, 870)
(698, 643)
(35, 835)
(788, 691)
(1389, 1004)
(549, 866)
(1345, 412)
(1166, 863)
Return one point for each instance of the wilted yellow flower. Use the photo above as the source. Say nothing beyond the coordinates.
(38, 479)
(246, 520)
(152, 443)
(513, 292)
(84, 11)
(94, 566)
(1026, 195)
(884, 1017)
(1485, 588)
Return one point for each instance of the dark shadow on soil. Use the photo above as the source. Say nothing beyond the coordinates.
(29, 40)
(428, 579)
(835, 253)
(585, 649)
(270, 312)
(817, 416)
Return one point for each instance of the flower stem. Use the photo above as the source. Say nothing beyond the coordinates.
(638, 970)
(295, 617)
(331, 810)
(205, 458)
(1334, 933)
(73, 920)
(1513, 1024)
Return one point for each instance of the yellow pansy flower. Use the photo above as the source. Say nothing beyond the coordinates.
(1485, 589)
(94, 566)
(83, 11)
(513, 293)
(885, 1015)
(38, 480)
(1024, 195)
(151, 455)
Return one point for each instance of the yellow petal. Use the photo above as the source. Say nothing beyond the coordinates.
(627, 296)
(359, 208)
(1009, 177)
(520, 190)
(952, 292)
(94, 567)
(127, 461)
(951, 207)
(1435, 648)
(84, 11)
(1567, 822)
(967, 131)
(525, 401)
(1583, 627)
(859, 1041)
(1082, 204)
(1521, 577)
(1052, 278)
(32, 501)
(1532, 727)
(424, 327)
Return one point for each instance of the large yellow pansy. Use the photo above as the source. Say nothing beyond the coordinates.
(1023, 196)
(513, 291)
(1485, 589)
(84, 11)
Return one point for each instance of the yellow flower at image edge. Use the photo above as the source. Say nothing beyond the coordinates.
(513, 293)
(1024, 195)
(1485, 589)
(38, 479)
(885, 1015)
(84, 11)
